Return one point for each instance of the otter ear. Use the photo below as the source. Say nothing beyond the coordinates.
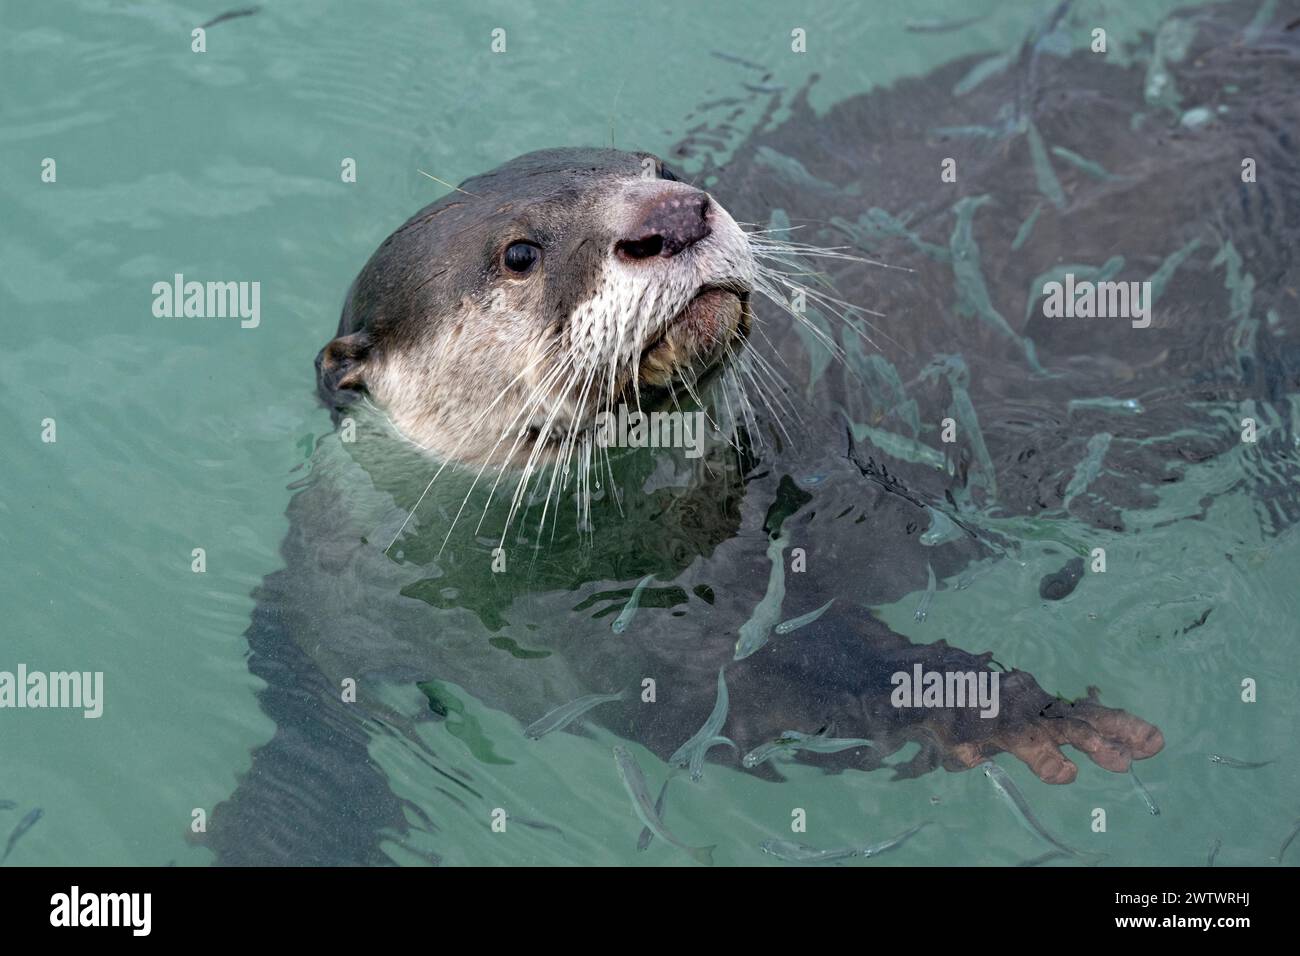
(340, 368)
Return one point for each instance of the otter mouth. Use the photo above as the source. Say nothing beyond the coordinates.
(696, 339)
(688, 352)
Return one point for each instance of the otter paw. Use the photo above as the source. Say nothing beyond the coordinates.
(1034, 726)
(1113, 739)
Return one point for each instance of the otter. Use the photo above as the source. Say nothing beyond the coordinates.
(484, 336)
(536, 294)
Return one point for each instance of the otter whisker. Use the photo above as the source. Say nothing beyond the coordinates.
(789, 253)
(539, 394)
(737, 386)
(793, 254)
(525, 478)
(469, 431)
(565, 454)
(730, 384)
(609, 465)
(834, 347)
(770, 281)
(443, 182)
(748, 370)
(563, 458)
(774, 278)
(770, 246)
(753, 362)
(775, 379)
(820, 297)
(836, 307)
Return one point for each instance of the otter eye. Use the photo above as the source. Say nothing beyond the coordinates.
(521, 257)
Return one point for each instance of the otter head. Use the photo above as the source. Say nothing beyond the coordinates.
(500, 320)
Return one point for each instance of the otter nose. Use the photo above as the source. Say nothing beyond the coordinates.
(669, 223)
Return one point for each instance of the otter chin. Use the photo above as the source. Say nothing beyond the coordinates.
(495, 323)
(698, 339)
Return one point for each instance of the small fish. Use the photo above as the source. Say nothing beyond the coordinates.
(873, 226)
(1054, 42)
(691, 754)
(764, 752)
(25, 824)
(731, 58)
(967, 132)
(829, 745)
(1129, 405)
(7, 804)
(721, 741)
(796, 174)
(1285, 843)
(647, 834)
(629, 609)
(785, 627)
(1160, 278)
(898, 446)
(1214, 850)
(229, 15)
(923, 608)
(535, 824)
(792, 852)
(981, 72)
(1048, 184)
(1008, 790)
(1092, 168)
(634, 783)
(1026, 228)
(967, 579)
(942, 529)
(764, 87)
(893, 843)
(696, 763)
(792, 740)
(1088, 470)
(973, 298)
(1045, 858)
(1043, 37)
(565, 714)
(938, 26)
(755, 632)
(1239, 764)
(1142, 792)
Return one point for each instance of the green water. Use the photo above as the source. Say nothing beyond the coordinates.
(176, 435)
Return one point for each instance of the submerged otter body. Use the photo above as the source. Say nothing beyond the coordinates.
(393, 585)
